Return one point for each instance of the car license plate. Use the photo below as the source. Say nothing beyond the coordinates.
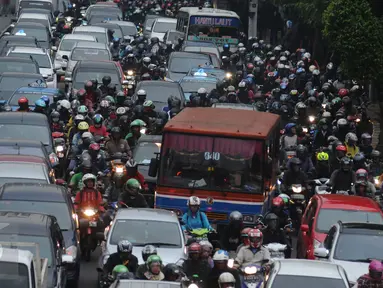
(92, 224)
(277, 255)
(251, 278)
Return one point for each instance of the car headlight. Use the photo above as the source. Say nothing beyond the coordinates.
(89, 212)
(71, 250)
(317, 243)
(60, 148)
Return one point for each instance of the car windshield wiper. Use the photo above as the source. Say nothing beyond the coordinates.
(366, 260)
(157, 244)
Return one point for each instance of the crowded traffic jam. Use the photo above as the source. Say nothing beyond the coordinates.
(155, 144)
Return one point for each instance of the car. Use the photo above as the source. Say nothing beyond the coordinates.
(210, 72)
(19, 65)
(171, 36)
(191, 84)
(100, 33)
(43, 59)
(86, 70)
(65, 48)
(26, 126)
(112, 27)
(98, 18)
(11, 81)
(161, 25)
(40, 11)
(142, 226)
(36, 18)
(325, 210)
(32, 94)
(102, 9)
(149, 20)
(128, 28)
(288, 273)
(6, 42)
(40, 31)
(239, 106)
(180, 63)
(353, 246)
(47, 199)
(37, 228)
(82, 51)
(201, 47)
(25, 168)
(41, 4)
(159, 92)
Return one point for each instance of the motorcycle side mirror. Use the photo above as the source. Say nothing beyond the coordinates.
(65, 57)
(153, 167)
(304, 228)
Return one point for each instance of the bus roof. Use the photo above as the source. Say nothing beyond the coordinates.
(223, 122)
(208, 12)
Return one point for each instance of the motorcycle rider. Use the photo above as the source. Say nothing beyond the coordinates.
(40, 106)
(146, 252)
(343, 178)
(116, 144)
(373, 278)
(115, 48)
(274, 234)
(154, 265)
(277, 208)
(231, 236)
(307, 165)
(321, 134)
(293, 175)
(98, 128)
(351, 144)
(133, 173)
(141, 97)
(194, 218)
(289, 137)
(172, 273)
(323, 166)
(131, 195)
(194, 265)
(221, 258)
(76, 183)
(206, 252)
(365, 145)
(362, 186)
(226, 51)
(135, 132)
(123, 256)
(97, 157)
(82, 127)
(23, 105)
(226, 280)
(105, 86)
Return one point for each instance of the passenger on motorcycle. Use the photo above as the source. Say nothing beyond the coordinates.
(116, 144)
(227, 280)
(23, 105)
(351, 142)
(135, 132)
(365, 145)
(359, 162)
(118, 270)
(244, 238)
(221, 258)
(340, 152)
(97, 157)
(362, 186)
(133, 173)
(375, 167)
(207, 252)
(76, 183)
(294, 175)
(231, 236)
(146, 252)
(56, 124)
(131, 195)
(194, 265)
(123, 256)
(40, 106)
(194, 218)
(306, 165)
(321, 134)
(274, 234)
(154, 266)
(373, 278)
(342, 179)
(277, 208)
(289, 137)
(172, 273)
(81, 128)
(254, 253)
(98, 128)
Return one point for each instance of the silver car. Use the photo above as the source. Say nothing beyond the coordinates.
(65, 48)
(85, 51)
(43, 59)
(141, 227)
(100, 33)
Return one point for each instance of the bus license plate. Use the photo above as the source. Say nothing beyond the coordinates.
(92, 224)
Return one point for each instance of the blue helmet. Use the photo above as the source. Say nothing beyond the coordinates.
(226, 46)
(40, 103)
(289, 126)
(46, 99)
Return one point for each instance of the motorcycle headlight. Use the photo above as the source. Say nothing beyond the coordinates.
(305, 130)
(311, 118)
(192, 286)
(119, 169)
(376, 181)
(89, 212)
(297, 189)
(143, 130)
(69, 19)
(130, 73)
(323, 106)
(228, 75)
(72, 251)
(357, 120)
(250, 270)
(59, 148)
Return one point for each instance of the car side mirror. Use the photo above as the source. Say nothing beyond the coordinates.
(7, 34)
(153, 167)
(56, 13)
(304, 228)
(65, 57)
(54, 48)
(321, 252)
(14, 20)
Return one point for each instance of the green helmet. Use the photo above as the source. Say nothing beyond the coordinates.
(149, 104)
(336, 100)
(132, 186)
(153, 259)
(118, 270)
(110, 99)
(137, 122)
(83, 110)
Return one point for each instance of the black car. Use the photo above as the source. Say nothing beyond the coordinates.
(42, 229)
(19, 65)
(26, 126)
(159, 92)
(6, 42)
(112, 27)
(11, 81)
(40, 31)
(52, 200)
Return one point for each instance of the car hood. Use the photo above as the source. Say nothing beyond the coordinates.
(46, 72)
(144, 170)
(353, 269)
(157, 34)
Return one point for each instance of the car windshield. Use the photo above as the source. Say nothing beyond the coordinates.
(190, 86)
(327, 218)
(174, 36)
(183, 64)
(59, 210)
(44, 244)
(162, 27)
(149, 23)
(40, 34)
(104, 10)
(129, 30)
(26, 132)
(5, 180)
(67, 44)
(348, 247)
(36, 4)
(14, 275)
(32, 97)
(160, 93)
(41, 59)
(98, 18)
(143, 232)
(20, 150)
(20, 67)
(207, 50)
(293, 281)
(187, 162)
(101, 37)
(80, 54)
(82, 76)
(144, 152)
(44, 22)
(11, 84)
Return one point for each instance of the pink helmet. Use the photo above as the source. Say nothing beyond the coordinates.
(375, 269)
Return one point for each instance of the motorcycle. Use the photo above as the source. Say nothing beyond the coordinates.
(89, 235)
(203, 234)
(321, 185)
(252, 276)
(297, 203)
(60, 150)
(277, 250)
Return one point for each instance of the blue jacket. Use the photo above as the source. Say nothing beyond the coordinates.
(195, 222)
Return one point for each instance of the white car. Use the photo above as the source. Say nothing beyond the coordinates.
(161, 26)
(43, 59)
(100, 33)
(296, 273)
(353, 246)
(141, 227)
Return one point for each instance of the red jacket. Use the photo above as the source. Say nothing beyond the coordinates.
(140, 178)
(89, 198)
(99, 131)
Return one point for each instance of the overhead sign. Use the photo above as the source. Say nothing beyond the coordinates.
(214, 21)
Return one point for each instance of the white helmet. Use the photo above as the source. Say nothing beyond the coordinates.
(194, 201)
(312, 68)
(86, 135)
(79, 117)
(226, 278)
(141, 92)
(221, 255)
(351, 136)
(131, 163)
(201, 91)
(65, 104)
(88, 176)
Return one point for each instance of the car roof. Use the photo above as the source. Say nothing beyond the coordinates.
(188, 55)
(166, 20)
(146, 138)
(17, 37)
(50, 1)
(313, 268)
(96, 64)
(239, 106)
(20, 143)
(15, 59)
(24, 223)
(122, 23)
(20, 74)
(36, 10)
(96, 45)
(29, 50)
(31, 24)
(229, 122)
(24, 118)
(33, 15)
(345, 202)
(32, 192)
(146, 214)
(22, 159)
(96, 29)
(78, 36)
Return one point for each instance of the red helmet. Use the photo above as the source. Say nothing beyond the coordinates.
(250, 66)
(343, 92)
(278, 202)
(255, 238)
(94, 147)
(194, 248)
(341, 148)
(23, 100)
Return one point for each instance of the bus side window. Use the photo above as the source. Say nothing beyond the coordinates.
(186, 24)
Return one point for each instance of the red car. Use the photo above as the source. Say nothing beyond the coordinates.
(325, 210)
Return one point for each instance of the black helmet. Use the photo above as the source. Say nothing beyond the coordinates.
(271, 220)
(106, 80)
(301, 152)
(172, 272)
(345, 163)
(174, 102)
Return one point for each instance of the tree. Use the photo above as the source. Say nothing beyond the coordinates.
(354, 32)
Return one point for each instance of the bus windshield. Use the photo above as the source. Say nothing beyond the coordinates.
(217, 29)
(212, 163)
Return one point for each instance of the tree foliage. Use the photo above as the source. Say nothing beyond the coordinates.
(356, 34)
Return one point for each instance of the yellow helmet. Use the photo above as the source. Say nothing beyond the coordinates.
(83, 126)
(322, 156)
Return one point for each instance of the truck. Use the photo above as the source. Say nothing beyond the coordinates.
(21, 265)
